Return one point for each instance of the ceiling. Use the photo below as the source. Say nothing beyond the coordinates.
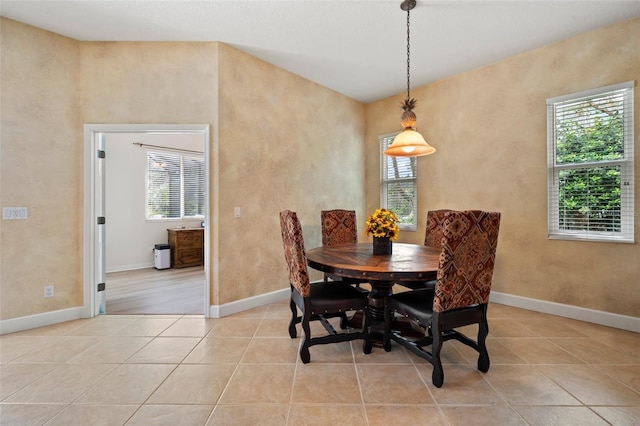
(355, 47)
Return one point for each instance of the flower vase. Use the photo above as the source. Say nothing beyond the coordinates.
(382, 245)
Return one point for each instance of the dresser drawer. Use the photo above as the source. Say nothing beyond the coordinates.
(189, 257)
(189, 239)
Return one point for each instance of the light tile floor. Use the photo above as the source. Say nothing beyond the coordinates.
(245, 370)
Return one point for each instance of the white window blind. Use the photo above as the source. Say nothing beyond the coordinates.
(590, 165)
(175, 185)
(398, 185)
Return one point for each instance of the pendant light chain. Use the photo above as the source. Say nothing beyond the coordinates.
(408, 143)
(408, 56)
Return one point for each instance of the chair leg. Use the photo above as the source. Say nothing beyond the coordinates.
(367, 345)
(344, 321)
(386, 336)
(483, 358)
(294, 319)
(305, 356)
(437, 378)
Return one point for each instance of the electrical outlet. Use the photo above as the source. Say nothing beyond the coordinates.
(48, 291)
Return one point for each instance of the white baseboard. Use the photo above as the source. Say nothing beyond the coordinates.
(215, 311)
(608, 319)
(219, 311)
(123, 268)
(40, 320)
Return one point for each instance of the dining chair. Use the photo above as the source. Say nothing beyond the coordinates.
(339, 227)
(432, 238)
(318, 301)
(435, 228)
(460, 296)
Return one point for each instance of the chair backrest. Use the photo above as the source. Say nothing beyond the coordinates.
(435, 226)
(338, 227)
(467, 259)
(294, 252)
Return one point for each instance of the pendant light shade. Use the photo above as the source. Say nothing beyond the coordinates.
(409, 143)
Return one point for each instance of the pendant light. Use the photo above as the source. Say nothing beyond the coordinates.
(408, 143)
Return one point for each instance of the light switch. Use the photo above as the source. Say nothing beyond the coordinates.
(13, 213)
(236, 211)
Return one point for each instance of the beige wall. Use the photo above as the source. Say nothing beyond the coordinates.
(489, 127)
(285, 143)
(278, 142)
(41, 169)
(163, 83)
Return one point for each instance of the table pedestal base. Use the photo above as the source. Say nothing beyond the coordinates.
(381, 289)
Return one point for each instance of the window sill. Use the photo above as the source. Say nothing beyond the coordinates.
(591, 238)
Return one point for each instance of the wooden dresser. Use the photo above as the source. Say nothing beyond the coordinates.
(187, 247)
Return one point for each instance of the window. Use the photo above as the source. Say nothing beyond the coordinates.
(590, 165)
(175, 185)
(398, 185)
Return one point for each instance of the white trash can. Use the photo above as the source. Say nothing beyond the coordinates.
(162, 253)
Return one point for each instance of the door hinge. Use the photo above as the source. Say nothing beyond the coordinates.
(101, 153)
(101, 220)
(101, 286)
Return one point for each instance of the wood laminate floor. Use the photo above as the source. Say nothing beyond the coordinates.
(152, 291)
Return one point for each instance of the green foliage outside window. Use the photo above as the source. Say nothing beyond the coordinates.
(589, 194)
(402, 195)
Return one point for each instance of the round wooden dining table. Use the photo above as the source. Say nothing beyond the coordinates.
(408, 262)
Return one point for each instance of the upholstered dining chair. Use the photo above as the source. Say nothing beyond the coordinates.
(339, 227)
(435, 228)
(460, 296)
(318, 301)
(432, 238)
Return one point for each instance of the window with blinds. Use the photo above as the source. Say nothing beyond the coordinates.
(590, 165)
(175, 186)
(398, 185)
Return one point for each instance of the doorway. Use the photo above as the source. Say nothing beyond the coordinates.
(99, 141)
(150, 291)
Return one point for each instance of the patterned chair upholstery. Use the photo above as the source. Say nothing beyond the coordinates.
(339, 227)
(432, 238)
(435, 228)
(460, 296)
(318, 301)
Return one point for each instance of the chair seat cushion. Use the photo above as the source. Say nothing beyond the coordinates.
(335, 296)
(413, 304)
(416, 305)
(418, 285)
